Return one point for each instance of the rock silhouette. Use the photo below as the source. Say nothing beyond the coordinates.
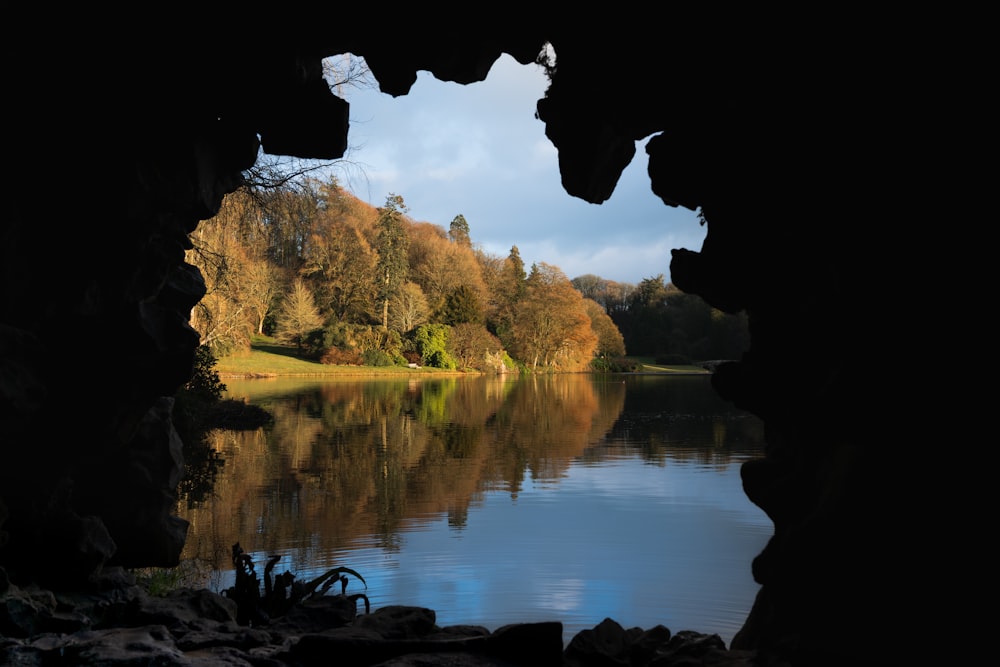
(121, 138)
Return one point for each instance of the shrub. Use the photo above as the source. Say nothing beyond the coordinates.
(378, 358)
(615, 365)
(204, 383)
(336, 356)
(314, 344)
(195, 400)
(432, 342)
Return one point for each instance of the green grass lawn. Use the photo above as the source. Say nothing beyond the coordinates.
(269, 358)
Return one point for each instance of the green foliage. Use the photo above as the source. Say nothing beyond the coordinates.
(162, 581)
(458, 232)
(434, 400)
(381, 358)
(338, 334)
(662, 320)
(314, 344)
(205, 383)
(432, 344)
(392, 244)
(195, 400)
(356, 259)
(461, 306)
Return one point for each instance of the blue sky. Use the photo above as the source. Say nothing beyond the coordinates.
(478, 150)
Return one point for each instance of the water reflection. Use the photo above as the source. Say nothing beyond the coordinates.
(496, 500)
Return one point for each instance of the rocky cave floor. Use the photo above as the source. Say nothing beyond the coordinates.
(120, 623)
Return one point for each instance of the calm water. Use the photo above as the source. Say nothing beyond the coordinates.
(492, 500)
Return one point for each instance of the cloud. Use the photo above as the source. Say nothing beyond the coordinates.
(478, 150)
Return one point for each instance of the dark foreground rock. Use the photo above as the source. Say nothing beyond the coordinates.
(122, 624)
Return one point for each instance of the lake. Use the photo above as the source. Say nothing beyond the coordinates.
(496, 500)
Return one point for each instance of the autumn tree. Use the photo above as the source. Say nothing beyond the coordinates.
(392, 245)
(409, 308)
(260, 287)
(472, 346)
(226, 317)
(490, 265)
(339, 261)
(298, 315)
(609, 340)
(551, 328)
(441, 267)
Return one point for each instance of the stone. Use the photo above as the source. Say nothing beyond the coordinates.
(124, 625)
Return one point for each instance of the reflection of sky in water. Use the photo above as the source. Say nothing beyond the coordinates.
(641, 544)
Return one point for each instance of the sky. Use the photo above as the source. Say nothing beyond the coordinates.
(478, 150)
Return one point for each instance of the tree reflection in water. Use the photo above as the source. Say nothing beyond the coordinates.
(355, 469)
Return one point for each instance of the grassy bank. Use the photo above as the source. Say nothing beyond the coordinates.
(268, 358)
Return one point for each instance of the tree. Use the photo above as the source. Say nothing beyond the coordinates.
(609, 340)
(409, 308)
(298, 315)
(432, 344)
(506, 292)
(551, 328)
(260, 284)
(609, 294)
(462, 305)
(473, 346)
(223, 317)
(392, 244)
(514, 275)
(339, 261)
(645, 323)
(440, 266)
(458, 232)
(616, 297)
(659, 319)
(490, 266)
(590, 286)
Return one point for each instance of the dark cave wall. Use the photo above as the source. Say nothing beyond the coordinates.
(122, 157)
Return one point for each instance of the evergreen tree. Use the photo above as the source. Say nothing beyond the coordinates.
(514, 274)
(459, 231)
(462, 305)
(513, 282)
(392, 245)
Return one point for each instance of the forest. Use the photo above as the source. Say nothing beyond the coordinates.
(304, 260)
